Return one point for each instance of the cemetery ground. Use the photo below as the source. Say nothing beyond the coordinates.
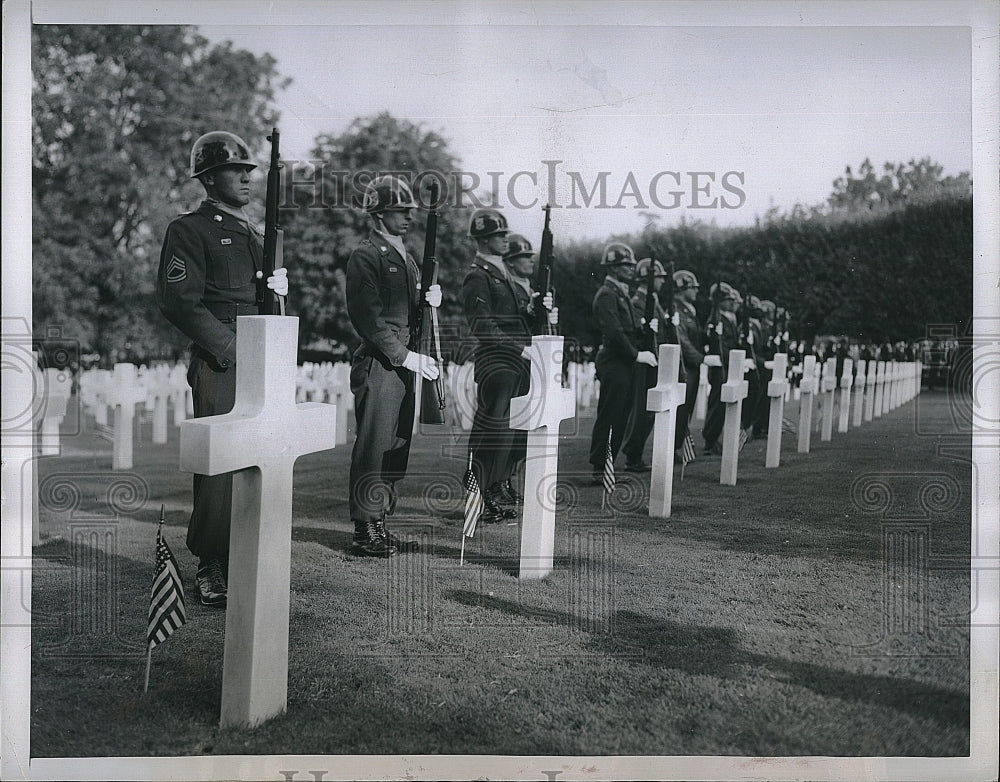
(820, 608)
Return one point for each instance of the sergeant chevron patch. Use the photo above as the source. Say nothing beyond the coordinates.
(176, 270)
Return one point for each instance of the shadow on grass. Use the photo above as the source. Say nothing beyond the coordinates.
(716, 651)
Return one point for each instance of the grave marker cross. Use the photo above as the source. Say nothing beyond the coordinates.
(734, 391)
(663, 399)
(539, 412)
(259, 442)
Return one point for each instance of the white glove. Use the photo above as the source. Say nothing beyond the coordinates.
(433, 296)
(554, 316)
(278, 282)
(421, 365)
(646, 357)
(547, 301)
(654, 325)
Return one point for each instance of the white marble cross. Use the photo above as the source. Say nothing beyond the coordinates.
(845, 394)
(124, 393)
(859, 392)
(734, 391)
(663, 399)
(539, 412)
(870, 391)
(777, 387)
(880, 378)
(157, 393)
(57, 385)
(828, 389)
(259, 442)
(701, 400)
(807, 388)
(180, 392)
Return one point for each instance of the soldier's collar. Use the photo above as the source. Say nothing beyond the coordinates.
(486, 261)
(622, 286)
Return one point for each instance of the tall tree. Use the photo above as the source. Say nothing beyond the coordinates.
(898, 184)
(115, 111)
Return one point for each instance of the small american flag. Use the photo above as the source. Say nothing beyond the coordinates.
(166, 605)
(609, 468)
(687, 449)
(788, 425)
(473, 503)
(744, 438)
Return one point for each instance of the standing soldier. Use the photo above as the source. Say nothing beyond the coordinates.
(765, 352)
(722, 336)
(210, 272)
(498, 318)
(383, 300)
(752, 341)
(617, 355)
(690, 339)
(640, 422)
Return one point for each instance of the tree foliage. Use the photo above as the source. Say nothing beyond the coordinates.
(115, 112)
(872, 268)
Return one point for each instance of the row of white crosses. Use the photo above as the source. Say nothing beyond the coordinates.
(888, 385)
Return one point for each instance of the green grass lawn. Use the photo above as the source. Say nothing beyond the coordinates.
(761, 619)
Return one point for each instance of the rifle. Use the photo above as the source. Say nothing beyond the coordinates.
(432, 400)
(671, 309)
(715, 320)
(273, 234)
(648, 341)
(543, 279)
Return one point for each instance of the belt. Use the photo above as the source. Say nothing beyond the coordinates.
(228, 311)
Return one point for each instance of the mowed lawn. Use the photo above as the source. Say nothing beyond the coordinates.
(820, 608)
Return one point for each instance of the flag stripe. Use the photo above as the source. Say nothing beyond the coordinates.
(609, 468)
(166, 606)
(473, 503)
(687, 449)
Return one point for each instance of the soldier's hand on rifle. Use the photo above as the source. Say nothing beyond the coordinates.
(278, 282)
(646, 357)
(433, 296)
(654, 325)
(547, 300)
(422, 365)
(554, 316)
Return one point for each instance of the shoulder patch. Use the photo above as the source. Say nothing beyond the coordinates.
(176, 270)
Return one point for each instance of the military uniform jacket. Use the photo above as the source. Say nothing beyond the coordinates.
(496, 314)
(383, 299)
(618, 324)
(689, 336)
(207, 276)
(720, 345)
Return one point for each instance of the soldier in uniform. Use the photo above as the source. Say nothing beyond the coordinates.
(691, 342)
(383, 300)
(210, 272)
(617, 356)
(640, 422)
(498, 316)
(722, 336)
(765, 352)
(752, 341)
(520, 262)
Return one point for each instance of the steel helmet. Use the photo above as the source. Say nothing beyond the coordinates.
(768, 307)
(219, 148)
(517, 247)
(388, 192)
(642, 268)
(616, 254)
(724, 292)
(683, 280)
(487, 222)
